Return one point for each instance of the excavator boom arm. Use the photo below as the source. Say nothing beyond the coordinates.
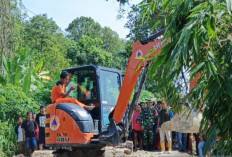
(140, 49)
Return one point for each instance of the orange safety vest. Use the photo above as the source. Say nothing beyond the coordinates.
(57, 91)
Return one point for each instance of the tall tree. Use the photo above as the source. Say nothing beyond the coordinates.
(116, 46)
(141, 28)
(39, 31)
(10, 23)
(83, 26)
(110, 40)
(95, 45)
(48, 42)
(90, 52)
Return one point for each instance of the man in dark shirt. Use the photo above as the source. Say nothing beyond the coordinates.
(164, 115)
(29, 127)
(40, 120)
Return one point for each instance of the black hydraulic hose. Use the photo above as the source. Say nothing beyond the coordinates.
(152, 37)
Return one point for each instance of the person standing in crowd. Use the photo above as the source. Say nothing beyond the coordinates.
(29, 127)
(143, 105)
(203, 139)
(19, 132)
(137, 129)
(159, 105)
(158, 108)
(40, 121)
(182, 141)
(164, 116)
(33, 116)
(147, 120)
(182, 137)
(37, 128)
(154, 123)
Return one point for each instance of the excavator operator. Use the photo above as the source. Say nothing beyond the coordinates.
(58, 94)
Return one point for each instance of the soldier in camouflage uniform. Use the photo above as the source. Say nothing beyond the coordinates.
(147, 122)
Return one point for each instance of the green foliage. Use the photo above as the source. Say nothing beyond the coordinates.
(150, 85)
(89, 52)
(146, 96)
(10, 25)
(1, 145)
(110, 40)
(7, 139)
(95, 45)
(123, 1)
(39, 31)
(140, 28)
(83, 26)
(49, 44)
(14, 103)
(43, 94)
(17, 70)
(201, 44)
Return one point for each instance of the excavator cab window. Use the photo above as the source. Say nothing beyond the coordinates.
(86, 85)
(72, 83)
(85, 81)
(109, 88)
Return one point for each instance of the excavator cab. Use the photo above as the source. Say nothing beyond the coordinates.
(96, 86)
(67, 124)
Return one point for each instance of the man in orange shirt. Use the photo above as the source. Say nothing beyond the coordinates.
(58, 94)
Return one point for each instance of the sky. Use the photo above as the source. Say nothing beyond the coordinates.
(64, 12)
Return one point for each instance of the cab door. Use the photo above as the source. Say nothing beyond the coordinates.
(110, 85)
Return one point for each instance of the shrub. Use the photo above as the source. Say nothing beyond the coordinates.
(13, 103)
(146, 96)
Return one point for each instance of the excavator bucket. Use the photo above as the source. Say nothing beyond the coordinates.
(114, 134)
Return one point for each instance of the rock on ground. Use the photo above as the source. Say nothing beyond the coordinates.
(43, 153)
(19, 155)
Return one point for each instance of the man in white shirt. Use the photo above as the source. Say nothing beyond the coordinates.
(19, 132)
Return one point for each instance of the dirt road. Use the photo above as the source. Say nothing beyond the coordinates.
(106, 152)
(119, 153)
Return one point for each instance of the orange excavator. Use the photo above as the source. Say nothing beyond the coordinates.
(69, 125)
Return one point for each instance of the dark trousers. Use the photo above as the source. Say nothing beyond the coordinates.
(191, 138)
(154, 135)
(182, 141)
(147, 136)
(22, 148)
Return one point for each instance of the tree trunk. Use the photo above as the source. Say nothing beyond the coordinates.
(5, 14)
